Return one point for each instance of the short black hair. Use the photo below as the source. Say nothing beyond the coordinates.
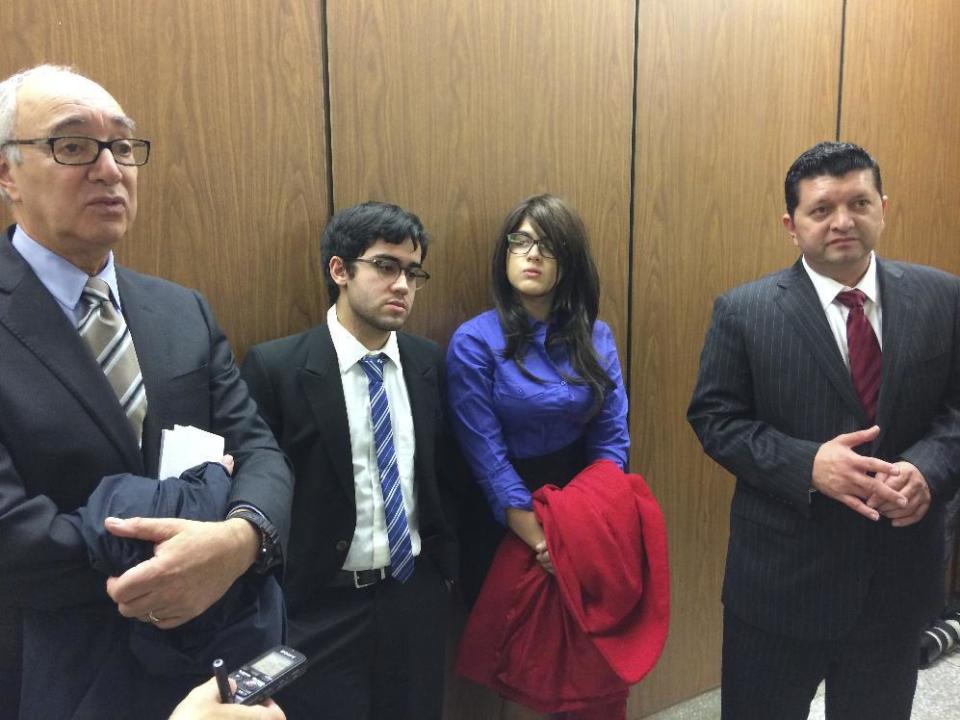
(827, 158)
(350, 232)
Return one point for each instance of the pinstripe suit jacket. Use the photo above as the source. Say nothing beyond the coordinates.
(772, 388)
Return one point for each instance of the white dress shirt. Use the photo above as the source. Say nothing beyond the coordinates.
(370, 547)
(828, 289)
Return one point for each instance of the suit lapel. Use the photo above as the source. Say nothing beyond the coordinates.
(801, 306)
(421, 381)
(320, 378)
(898, 314)
(31, 314)
(155, 345)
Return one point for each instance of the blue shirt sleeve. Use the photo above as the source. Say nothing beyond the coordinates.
(607, 435)
(471, 364)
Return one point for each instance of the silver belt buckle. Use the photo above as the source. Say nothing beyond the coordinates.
(356, 578)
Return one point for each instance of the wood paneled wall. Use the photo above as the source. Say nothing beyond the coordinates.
(720, 117)
(459, 110)
(668, 123)
(901, 100)
(234, 197)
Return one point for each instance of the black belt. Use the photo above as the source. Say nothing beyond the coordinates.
(358, 578)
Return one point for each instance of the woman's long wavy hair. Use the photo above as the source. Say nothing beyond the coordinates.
(576, 296)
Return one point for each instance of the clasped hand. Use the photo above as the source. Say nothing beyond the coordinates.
(868, 485)
(193, 565)
(526, 526)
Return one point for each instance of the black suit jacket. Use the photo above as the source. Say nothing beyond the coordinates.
(772, 388)
(296, 383)
(62, 430)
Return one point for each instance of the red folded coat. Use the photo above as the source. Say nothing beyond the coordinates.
(579, 638)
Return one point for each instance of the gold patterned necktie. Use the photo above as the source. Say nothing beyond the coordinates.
(105, 332)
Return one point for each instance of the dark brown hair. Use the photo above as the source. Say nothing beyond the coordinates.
(576, 296)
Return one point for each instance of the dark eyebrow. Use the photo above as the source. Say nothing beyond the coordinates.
(385, 256)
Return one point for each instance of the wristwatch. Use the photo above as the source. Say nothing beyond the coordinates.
(267, 553)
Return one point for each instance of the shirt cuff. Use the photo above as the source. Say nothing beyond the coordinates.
(519, 498)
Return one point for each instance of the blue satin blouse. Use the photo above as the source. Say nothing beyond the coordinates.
(499, 414)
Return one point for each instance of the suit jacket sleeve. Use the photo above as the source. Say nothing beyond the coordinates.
(937, 453)
(722, 414)
(257, 378)
(42, 552)
(263, 477)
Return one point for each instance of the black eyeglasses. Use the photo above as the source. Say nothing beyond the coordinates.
(76, 150)
(389, 269)
(521, 244)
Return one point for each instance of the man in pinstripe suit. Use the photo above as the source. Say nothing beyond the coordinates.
(835, 553)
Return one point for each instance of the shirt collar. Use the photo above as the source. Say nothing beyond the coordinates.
(827, 288)
(350, 350)
(64, 280)
(538, 328)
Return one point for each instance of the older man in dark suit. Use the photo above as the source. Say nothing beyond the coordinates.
(356, 404)
(831, 390)
(95, 360)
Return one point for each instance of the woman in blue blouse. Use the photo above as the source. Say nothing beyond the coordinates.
(535, 387)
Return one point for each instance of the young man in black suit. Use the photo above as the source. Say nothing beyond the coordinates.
(831, 390)
(356, 404)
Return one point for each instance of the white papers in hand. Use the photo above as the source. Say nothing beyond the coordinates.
(186, 446)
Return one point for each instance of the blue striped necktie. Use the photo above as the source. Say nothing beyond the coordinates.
(105, 332)
(398, 534)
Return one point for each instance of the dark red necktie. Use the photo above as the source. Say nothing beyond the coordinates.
(864, 352)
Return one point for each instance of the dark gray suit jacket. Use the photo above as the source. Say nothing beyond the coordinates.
(296, 383)
(62, 430)
(772, 388)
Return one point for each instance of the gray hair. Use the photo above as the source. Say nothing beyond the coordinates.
(8, 106)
